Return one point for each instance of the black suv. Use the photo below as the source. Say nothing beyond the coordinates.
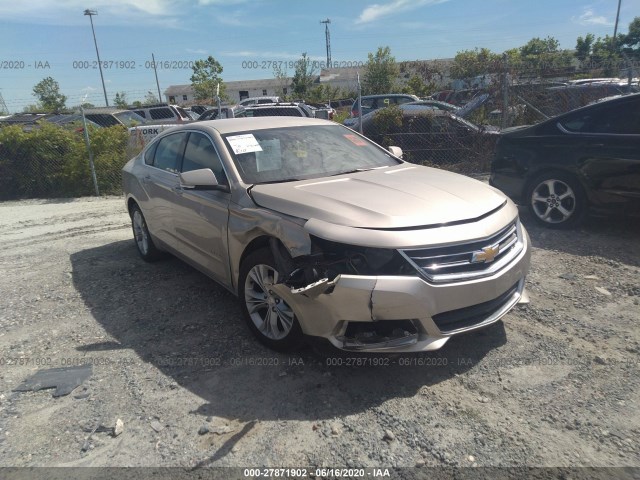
(587, 159)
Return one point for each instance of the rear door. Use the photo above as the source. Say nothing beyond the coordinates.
(609, 152)
(201, 216)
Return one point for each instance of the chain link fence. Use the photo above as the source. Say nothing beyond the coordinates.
(44, 159)
(57, 156)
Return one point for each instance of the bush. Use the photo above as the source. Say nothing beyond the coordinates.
(51, 161)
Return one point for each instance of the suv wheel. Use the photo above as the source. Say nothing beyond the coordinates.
(556, 200)
(269, 317)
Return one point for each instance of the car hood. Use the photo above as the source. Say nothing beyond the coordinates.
(397, 197)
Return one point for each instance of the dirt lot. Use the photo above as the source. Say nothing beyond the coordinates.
(555, 384)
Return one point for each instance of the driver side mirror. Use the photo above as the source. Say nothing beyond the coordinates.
(396, 151)
(202, 179)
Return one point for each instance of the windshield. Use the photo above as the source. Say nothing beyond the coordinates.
(129, 119)
(291, 153)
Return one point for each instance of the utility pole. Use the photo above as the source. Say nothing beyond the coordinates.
(615, 28)
(90, 14)
(328, 40)
(153, 59)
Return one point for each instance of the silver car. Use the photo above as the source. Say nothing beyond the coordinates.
(321, 232)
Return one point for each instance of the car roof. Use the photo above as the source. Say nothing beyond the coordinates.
(231, 125)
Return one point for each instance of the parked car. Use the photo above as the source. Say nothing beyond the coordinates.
(109, 117)
(447, 107)
(322, 110)
(426, 133)
(199, 109)
(370, 103)
(320, 232)
(341, 104)
(292, 109)
(234, 111)
(163, 113)
(587, 159)
(259, 100)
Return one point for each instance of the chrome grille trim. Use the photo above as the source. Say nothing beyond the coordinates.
(454, 263)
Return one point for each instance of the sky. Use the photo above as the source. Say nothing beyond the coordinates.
(40, 38)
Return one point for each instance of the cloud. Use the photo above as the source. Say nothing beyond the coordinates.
(588, 17)
(197, 51)
(376, 11)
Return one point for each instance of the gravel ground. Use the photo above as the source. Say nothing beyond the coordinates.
(555, 384)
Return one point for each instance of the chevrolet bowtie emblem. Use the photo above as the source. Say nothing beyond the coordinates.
(486, 255)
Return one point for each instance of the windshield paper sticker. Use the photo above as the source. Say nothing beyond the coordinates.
(355, 140)
(244, 144)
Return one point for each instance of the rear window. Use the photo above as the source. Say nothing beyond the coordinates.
(161, 113)
(275, 112)
(183, 113)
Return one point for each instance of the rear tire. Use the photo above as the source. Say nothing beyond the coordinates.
(144, 243)
(268, 316)
(556, 200)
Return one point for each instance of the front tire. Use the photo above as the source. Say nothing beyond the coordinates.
(556, 200)
(144, 243)
(268, 316)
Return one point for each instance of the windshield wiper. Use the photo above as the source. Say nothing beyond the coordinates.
(286, 180)
(356, 170)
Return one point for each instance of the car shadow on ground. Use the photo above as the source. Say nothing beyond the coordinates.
(616, 239)
(191, 329)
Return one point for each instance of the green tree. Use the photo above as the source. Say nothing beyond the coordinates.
(206, 77)
(47, 91)
(606, 53)
(303, 77)
(150, 99)
(631, 41)
(120, 100)
(416, 86)
(324, 94)
(471, 63)
(380, 73)
(583, 47)
(281, 75)
(543, 55)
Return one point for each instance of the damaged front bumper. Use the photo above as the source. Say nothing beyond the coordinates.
(404, 313)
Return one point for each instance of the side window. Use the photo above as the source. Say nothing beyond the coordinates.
(366, 102)
(401, 100)
(200, 153)
(169, 152)
(148, 155)
(623, 119)
(161, 113)
(142, 113)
